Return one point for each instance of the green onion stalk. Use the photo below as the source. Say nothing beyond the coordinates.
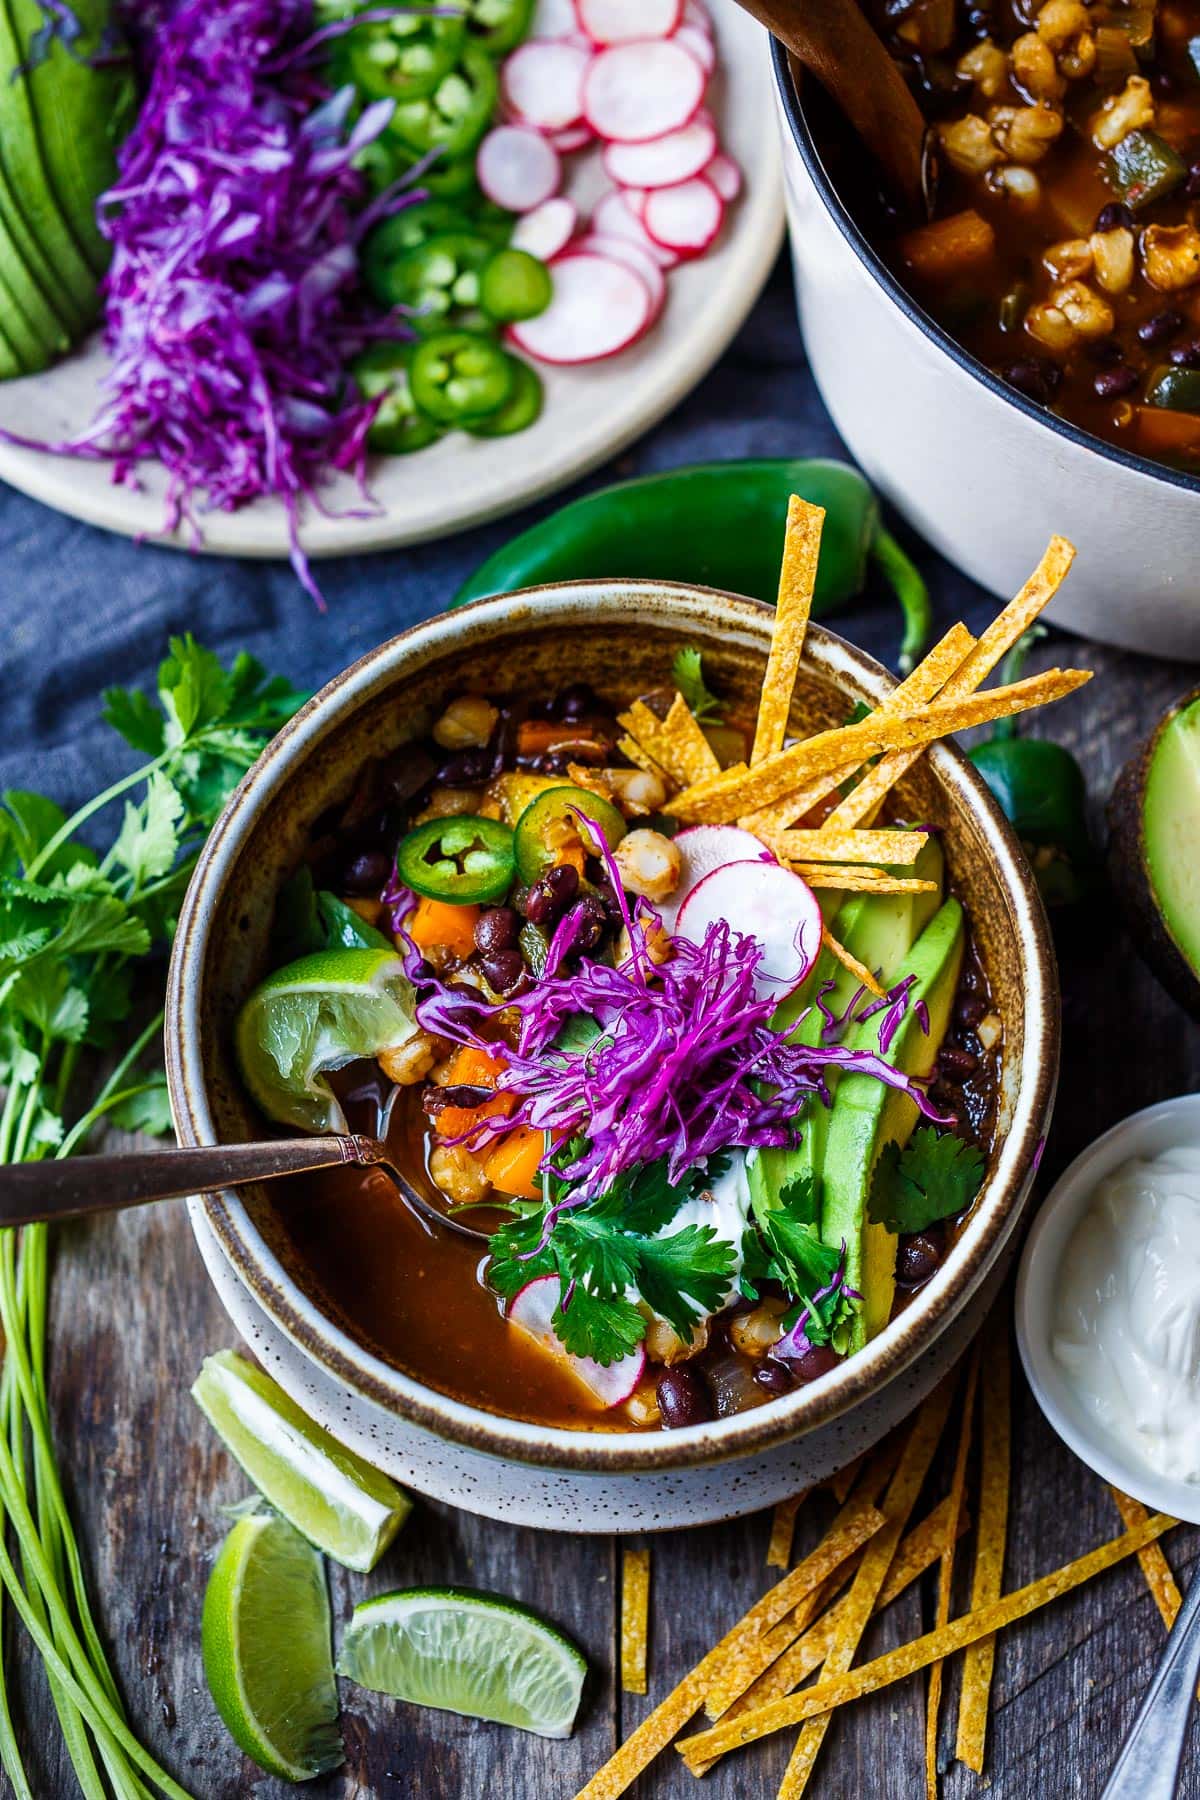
(75, 928)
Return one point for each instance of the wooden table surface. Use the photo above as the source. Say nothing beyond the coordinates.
(133, 1315)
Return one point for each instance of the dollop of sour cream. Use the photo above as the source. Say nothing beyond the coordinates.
(1127, 1323)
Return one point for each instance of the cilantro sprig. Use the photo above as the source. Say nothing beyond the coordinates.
(786, 1246)
(688, 675)
(936, 1176)
(84, 902)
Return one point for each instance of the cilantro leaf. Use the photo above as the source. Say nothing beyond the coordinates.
(193, 687)
(604, 1331)
(936, 1176)
(144, 1108)
(688, 675)
(148, 842)
(136, 718)
(685, 1275)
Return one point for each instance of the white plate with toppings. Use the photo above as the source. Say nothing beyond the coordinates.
(591, 411)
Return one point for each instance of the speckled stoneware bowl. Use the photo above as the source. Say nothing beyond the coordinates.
(619, 636)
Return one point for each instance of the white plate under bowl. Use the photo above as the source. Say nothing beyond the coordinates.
(591, 412)
(1167, 1126)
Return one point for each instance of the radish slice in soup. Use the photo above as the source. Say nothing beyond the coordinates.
(666, 160)
(571, 138)
(703, 849)
(617, 21)
(698, 44)
(725, 175)
(546, 230)
(599, 307)
(517, 168)
(685, 218)
(764, 901)
(635, 92)
(639, 260)
(542, 82)
(532, 1311)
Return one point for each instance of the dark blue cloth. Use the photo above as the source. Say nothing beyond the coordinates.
(80, 608)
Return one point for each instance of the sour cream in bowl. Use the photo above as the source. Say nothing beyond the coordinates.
(1108, 1306)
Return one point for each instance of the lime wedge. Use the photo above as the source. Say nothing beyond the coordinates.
(336, 1500)
(467, 1653)
(313, 1016)
(267, 1658)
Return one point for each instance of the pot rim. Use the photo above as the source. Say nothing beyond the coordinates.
(810, 156)
(364, 1373)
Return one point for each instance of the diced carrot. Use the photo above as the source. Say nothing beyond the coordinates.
(1161, 432)
(947, 247)
(541, 737)
(473, 1068)
(513, 1164)
(436, 922)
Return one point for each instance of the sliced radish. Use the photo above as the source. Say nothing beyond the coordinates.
(546, 230)
(554, 19)
(665, 160)
(542, 82)
(765, 901)
(619, 21)
(725, 175)
(639, 260)
(703, 849)
(635, 92)
(614, 217)
(685, 218)
(532, 1312)
(696, 13)
(599, 306)
(517, 168)
(572, 137)
(697, 43)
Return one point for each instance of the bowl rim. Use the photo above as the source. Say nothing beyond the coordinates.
(663, 605)
(810, 156)
(1157, 1127)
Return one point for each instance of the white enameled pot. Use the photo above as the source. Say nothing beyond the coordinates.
(983, 474)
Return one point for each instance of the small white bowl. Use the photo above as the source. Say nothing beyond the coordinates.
(1167, 1126)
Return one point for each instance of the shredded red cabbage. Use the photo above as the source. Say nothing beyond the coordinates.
(231, 302)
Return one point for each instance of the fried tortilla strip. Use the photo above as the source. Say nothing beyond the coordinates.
(859, 881)
(1163, 1587)
(901, 1497)
(858, 1521)
(859, 970)
(841, 1483)
(797, 579)
(733, 793)
(646, 729)
(783, 1530)
(641, 758)
(994, 644)
(958, 1482)
(690, 750)
(793, 1650)
(828, 845)
(987, 1580)
(926, 680)
(635, 1619)
(894, 1665)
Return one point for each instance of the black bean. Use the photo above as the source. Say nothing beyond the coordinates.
(1186, 356)
(504, 970)
(366, 873)
(1156, 330)
(970, 1009)
(497, 929)
(1191, 187)
(1104, 352)
(683, 1397)
(402, 776)
(1110, 384)
(576, 701)
(1035, 379)
(955, 1064)
(466, 769)
(919, 1256)
(773, 1376)
(1163, 83)
(817, 1360)
(551, 894)
(435, 1099)
(1113, 216)
(594, 922)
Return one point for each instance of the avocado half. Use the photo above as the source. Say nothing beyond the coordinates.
(1154, 850)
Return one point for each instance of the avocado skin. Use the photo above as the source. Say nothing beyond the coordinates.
(1130, 876)
(867, 1114)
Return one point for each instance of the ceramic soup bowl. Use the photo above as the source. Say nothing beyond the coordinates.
(619, 636)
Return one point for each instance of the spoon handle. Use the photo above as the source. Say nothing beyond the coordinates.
(1148, 1765)
(30, 1192)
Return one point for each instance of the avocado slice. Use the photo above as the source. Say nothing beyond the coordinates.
(10, 362)
(1154, 850)
(34, 340)
(866, 1115)
(82, 111)
(72, 313)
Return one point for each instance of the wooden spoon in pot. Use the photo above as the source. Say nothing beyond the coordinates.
(836, 42)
